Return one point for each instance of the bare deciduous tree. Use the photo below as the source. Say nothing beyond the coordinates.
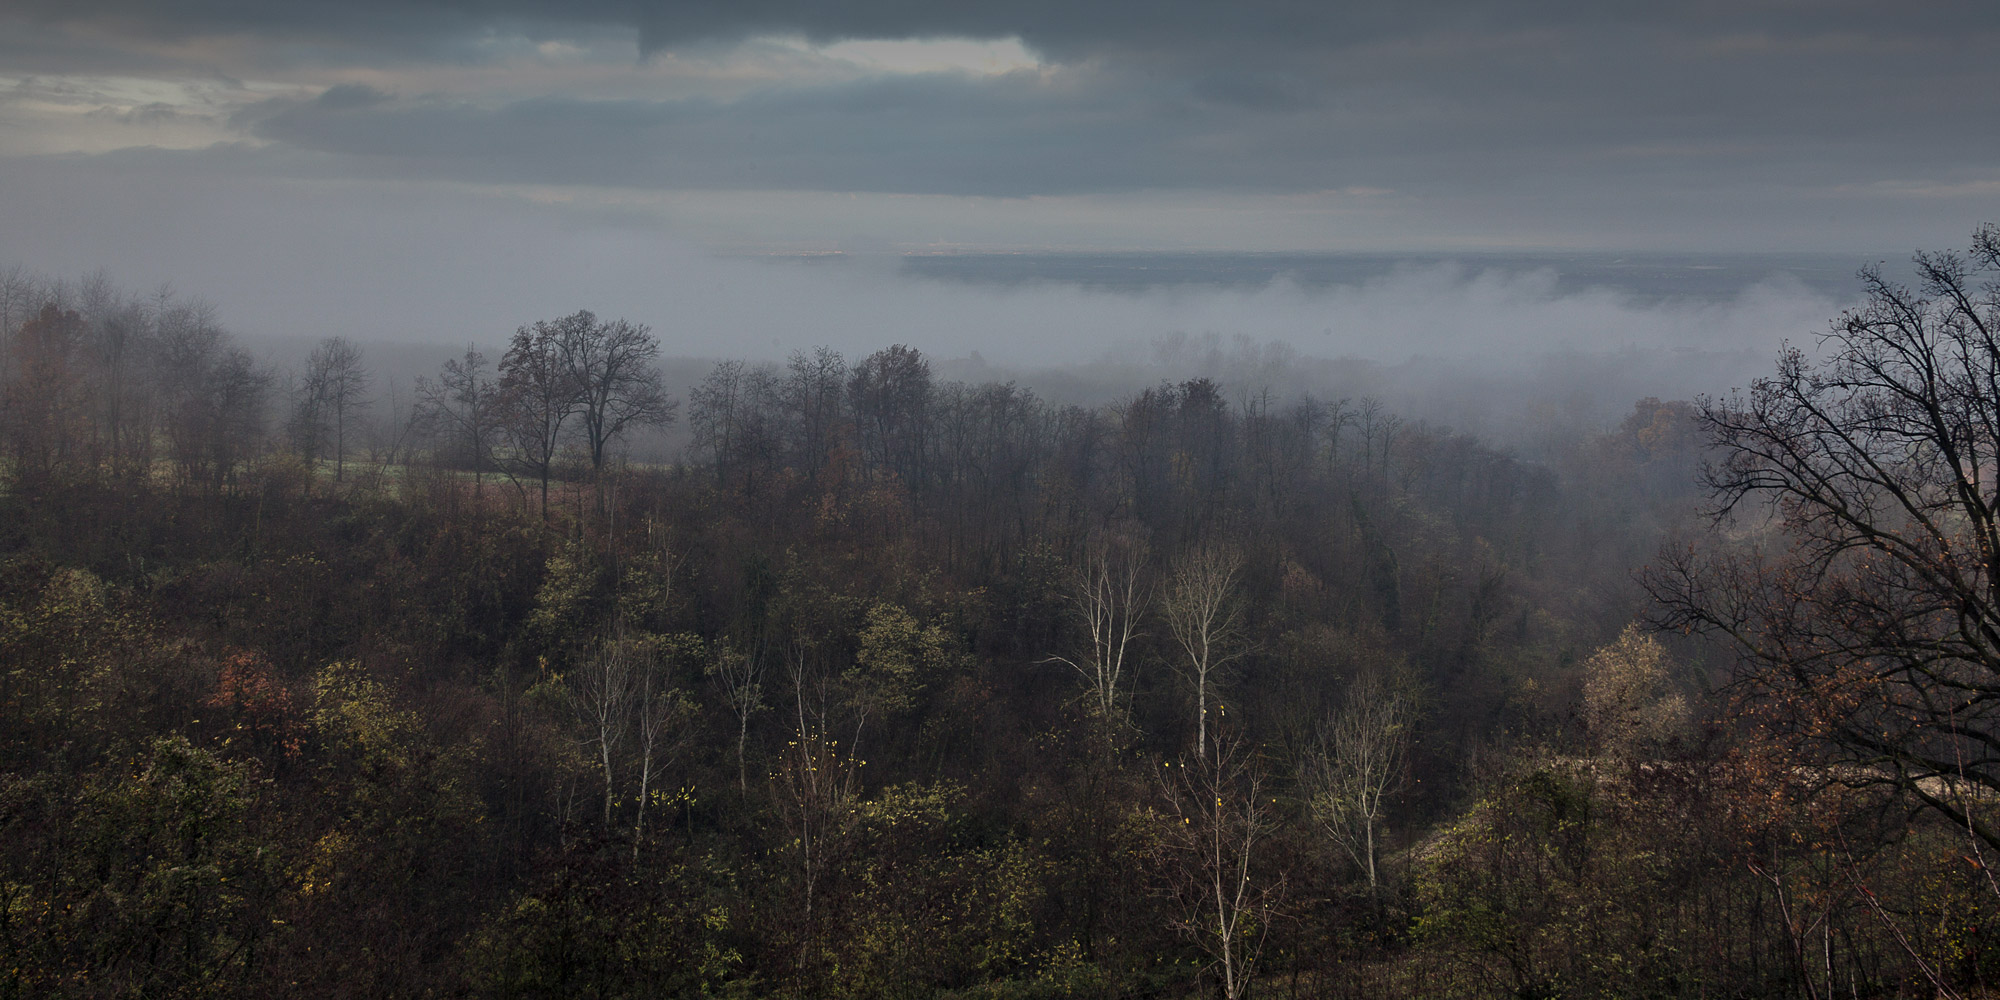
(613, 373)
(120, 343)
(1107, 595)
(715, 411)
(1874, 631)
(237, 397)
(1348, 773)
(890, 393)
(814, 790)
(733, 415)
(211, 395)
(1218, 817)
(739, 674)
(465, 405)
(537, 396)
(813, 388)
(338, 384)
(661, 711)
(46, 412)
(19, 292)
(603, 691)
(1206, 622)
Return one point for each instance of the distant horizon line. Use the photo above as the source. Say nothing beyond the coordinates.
(1001, 250)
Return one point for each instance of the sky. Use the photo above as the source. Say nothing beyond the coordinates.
(438, 168)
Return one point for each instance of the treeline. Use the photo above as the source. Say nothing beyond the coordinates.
(102, 383)
(895, 687)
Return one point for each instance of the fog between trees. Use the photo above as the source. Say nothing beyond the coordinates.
(876, 681)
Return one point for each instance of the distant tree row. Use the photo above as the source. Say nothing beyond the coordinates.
(97, 382)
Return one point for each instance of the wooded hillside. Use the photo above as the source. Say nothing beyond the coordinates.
(898, 687)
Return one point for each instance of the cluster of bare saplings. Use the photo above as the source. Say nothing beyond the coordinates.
(897, 686)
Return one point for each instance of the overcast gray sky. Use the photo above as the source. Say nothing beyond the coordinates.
(359, 155)
(1772, 124)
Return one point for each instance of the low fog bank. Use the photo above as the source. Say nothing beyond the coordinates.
(1534, 404)
(1503, 354)
(1489, 322)
(1498, 354)
(1511, 351)
(450, 264)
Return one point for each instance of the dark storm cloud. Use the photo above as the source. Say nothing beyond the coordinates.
(1062, 27)
(349, 96)
(922, 134)
(1066, 28)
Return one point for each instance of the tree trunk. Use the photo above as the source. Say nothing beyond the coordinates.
(1201, 714)
(645, 778)
(1371, 856)
(605, 757)
(742, 741)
